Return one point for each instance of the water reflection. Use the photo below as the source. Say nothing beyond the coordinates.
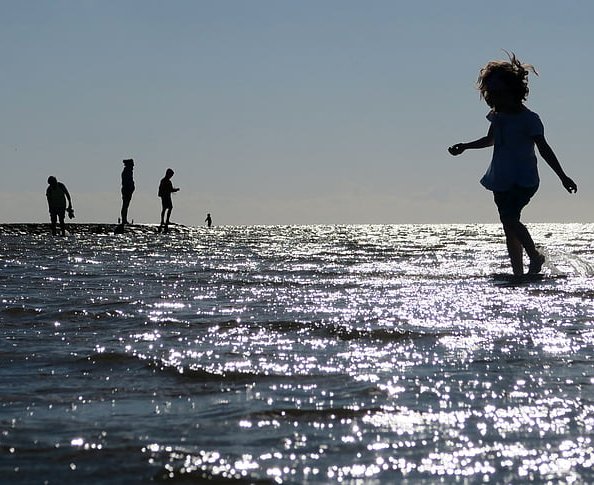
(362, 354)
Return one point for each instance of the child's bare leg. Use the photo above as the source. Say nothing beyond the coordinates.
(526, 239)
(514, 249)
(536, 259)
(516, 235)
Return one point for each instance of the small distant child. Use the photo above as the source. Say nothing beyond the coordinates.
(512, 175)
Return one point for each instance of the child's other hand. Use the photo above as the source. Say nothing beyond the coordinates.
(569, 185)
(456, 149)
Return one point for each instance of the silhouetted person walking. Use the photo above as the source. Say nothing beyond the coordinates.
(127, 188)
(208, 220)
(165, 190)
(56, 194)
(512, 175)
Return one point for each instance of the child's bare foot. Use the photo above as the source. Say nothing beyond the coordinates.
(536, 264)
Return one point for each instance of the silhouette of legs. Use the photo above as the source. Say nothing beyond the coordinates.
(126, 198)
(54, 220)
(165, 220)
(517, 238)
(62, 223)
(510, 204)
(55, 215)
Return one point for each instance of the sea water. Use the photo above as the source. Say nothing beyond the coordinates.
(310, 354)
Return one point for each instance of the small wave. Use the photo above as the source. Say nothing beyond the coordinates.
(282, 326)
(112, 358)
(314, 414)
(191, 372)
(21, 312)
(194, 373)
(387, 335)
(86, 315)
(342, 332)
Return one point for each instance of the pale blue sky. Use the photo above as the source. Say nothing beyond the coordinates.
(282, 112)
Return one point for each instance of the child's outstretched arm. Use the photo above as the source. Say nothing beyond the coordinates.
(484, 142)
(548, 155)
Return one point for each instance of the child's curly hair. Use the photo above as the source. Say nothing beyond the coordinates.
(512, 73)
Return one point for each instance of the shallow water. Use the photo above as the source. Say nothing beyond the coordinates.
(309, 354)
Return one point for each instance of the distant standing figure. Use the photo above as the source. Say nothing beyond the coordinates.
(208, 220)
(56, 194)
(127, 188)
(165, 190)
(512, 175)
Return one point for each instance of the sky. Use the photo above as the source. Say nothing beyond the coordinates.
(283, 112)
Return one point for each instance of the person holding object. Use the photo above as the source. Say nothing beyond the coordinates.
(56, 195)
(512, 175)
(165, 190)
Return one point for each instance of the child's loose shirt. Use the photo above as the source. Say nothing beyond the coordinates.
(514, 160)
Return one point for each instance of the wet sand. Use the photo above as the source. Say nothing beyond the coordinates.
(85, 228)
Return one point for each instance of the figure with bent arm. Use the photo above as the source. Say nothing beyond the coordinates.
(165, 190)
(512, 175)
(56, 195)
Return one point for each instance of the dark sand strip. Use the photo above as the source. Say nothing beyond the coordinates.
(89, 228)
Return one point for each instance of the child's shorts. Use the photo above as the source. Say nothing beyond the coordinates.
(511, 202)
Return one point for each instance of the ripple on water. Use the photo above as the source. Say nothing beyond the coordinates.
(295, 354)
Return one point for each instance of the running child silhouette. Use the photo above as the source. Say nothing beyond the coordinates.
(512, 175)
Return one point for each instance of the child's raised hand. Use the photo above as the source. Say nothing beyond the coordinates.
(456, 149)
(569, 185)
